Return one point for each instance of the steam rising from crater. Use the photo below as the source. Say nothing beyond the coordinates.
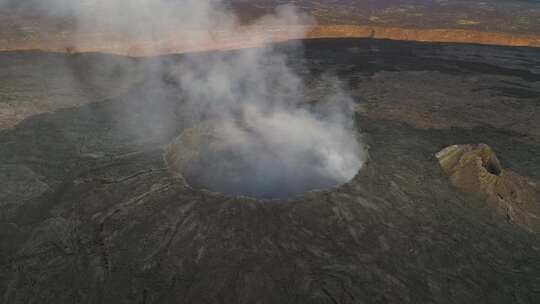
(287, 137)
(264, 128)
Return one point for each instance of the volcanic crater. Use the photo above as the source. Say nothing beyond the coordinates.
(206, 158)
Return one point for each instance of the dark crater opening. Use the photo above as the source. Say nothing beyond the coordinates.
(208, 161)
(490, 161)
(493, 166)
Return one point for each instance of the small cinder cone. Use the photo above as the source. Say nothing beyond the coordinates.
(476, 169)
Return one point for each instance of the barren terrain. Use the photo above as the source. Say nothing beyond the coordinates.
(498, 22)
(90, 213)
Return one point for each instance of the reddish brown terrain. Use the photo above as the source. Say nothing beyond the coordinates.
(513, 23)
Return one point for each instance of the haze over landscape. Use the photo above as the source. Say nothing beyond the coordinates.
(56, 24)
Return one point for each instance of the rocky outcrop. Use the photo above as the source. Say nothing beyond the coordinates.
(476, 169)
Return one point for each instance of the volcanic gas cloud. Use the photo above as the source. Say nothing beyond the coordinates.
(254, 132)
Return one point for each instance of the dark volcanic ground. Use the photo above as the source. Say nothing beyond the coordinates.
(90, 214)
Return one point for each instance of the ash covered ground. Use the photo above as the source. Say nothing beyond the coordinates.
(90, 213)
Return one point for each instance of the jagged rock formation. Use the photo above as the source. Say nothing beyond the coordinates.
(476, 169)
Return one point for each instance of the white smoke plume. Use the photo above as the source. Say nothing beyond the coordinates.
(258, 100)
(260, 104)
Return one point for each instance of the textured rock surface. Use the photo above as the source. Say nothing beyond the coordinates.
(115, 226)
(476, 169)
